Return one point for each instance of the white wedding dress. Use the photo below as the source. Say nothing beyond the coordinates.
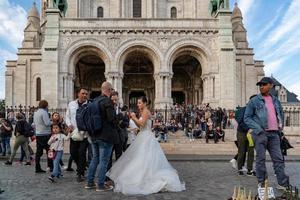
(143, 168)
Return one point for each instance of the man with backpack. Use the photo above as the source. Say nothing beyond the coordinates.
(78, 148)
(243, 143)
(21, 139)
(103, 140)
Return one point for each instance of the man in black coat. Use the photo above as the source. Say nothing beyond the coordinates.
(103, 141)
(123, 123)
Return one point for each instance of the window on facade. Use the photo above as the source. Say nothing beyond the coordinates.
(137, 8)
(38, 89)
(173, 12)
(100, 12)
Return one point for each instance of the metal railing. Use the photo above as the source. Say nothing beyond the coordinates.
(292, 116)
(28, 111)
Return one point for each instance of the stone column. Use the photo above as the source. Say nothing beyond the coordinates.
(163, 89)
(200, 94)
(118, 87)
(205, 91)
(227, 62)
(123, 8)
(212, 87)
(158, 89)
(70, 88)
(169, 87)
(154, 8)
(50, 54)
(21, 78)
(197, 94)
(9, 87)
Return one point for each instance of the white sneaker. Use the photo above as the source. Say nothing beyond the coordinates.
(244, 169)
(233, 163)
(65, 167)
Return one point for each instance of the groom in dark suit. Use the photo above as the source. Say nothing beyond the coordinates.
(103, 141)
(123, 123)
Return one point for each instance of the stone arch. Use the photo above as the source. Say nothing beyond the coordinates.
(82, 46)
(146, 46)
(75, 51)
(188, 62)
(129, 54)
(195, 48)
(36, 75)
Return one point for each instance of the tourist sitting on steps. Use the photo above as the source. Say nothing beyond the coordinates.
(189, 132)
(210, 133)
(219, 134)
(198, 131)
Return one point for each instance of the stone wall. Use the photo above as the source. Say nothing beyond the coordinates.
(150, 8)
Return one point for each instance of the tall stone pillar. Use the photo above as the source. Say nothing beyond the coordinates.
(197, 94)
(227, 64)
(50, 52)
(70, 88)
(169, 87)
(206, 89)
(163, 89)
(9, 83)
(158, 90)
(212, 87)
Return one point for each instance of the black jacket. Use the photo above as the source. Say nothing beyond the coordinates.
(3, 131)
(123, 123)
(109, 131)
(242, 126)
(20, 127)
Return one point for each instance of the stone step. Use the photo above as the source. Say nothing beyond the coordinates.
(179, 143)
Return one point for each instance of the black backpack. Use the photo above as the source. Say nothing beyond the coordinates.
(88, 117)
(28, 130)
(239, 117)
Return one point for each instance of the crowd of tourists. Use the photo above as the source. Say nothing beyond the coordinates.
(50, 132)
(257, 129)
(196, 122)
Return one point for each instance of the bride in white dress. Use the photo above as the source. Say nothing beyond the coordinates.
(144, 168)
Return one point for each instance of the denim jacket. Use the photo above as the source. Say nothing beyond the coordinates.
(256, 114)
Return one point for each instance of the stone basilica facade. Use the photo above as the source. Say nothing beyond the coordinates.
(173, 51)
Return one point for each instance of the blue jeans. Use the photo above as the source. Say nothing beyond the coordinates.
(164, 136)
(101, 155)
(269, 141)
(5, 145)
(56, 166)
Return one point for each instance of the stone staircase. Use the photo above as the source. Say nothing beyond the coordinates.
(178, 143)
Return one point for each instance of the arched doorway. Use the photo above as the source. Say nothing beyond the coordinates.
(89, 73)
(138, 77)
(186, 81)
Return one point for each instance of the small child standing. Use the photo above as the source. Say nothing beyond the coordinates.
(56, 143)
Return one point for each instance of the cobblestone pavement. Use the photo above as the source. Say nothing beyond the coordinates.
(204, 180)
